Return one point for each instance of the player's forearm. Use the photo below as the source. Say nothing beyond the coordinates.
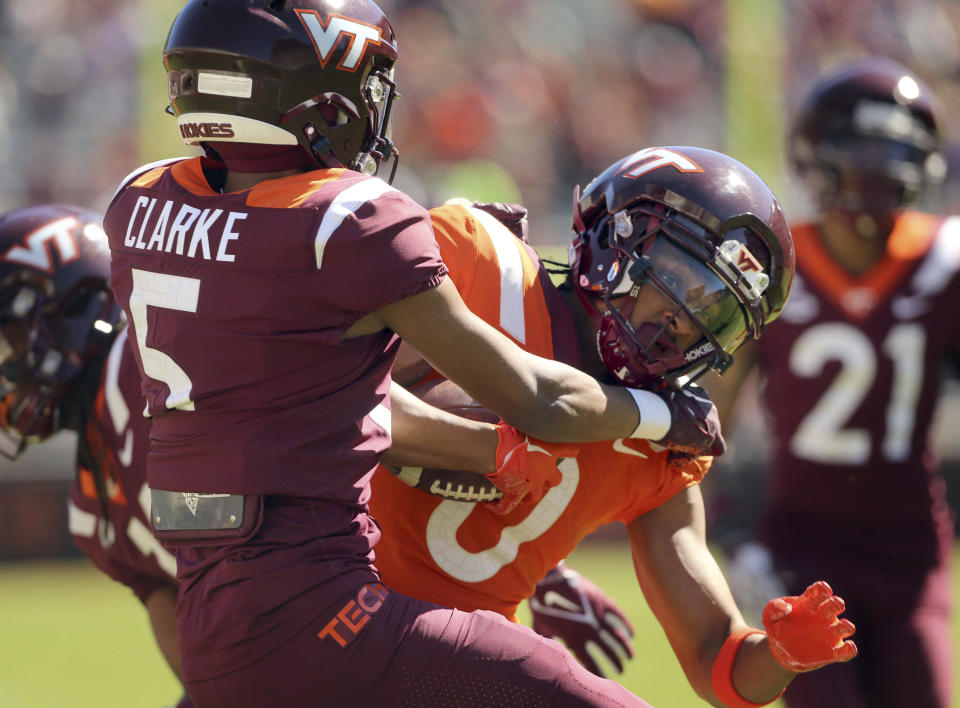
(684, 586)
(548, 399)
(541, 397)
(424, 436)
(801, 633)
(757, 676)
(570, 406)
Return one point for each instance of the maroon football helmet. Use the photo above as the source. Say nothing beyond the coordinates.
(701, 228)
(866, 138)
(57, 315)
(314, 73)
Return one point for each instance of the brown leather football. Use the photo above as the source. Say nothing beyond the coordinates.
(450, 484)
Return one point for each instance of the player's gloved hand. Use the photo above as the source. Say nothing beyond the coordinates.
(526, 468)
(513, 216)
(804, 632)
(569, 607)
(695, 423)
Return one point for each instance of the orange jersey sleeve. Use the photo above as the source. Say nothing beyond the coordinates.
(461, 554)
(495, 273)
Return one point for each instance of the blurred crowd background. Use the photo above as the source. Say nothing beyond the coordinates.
(502, 99)
(508, 100)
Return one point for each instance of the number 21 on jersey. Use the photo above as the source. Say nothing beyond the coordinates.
(822, 435)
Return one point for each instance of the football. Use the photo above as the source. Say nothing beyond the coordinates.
(450, 484)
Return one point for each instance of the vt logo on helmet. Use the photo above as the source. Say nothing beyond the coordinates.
(680, 255)
(326, 35)
(311, 73)
(39, 246)
(650, 159)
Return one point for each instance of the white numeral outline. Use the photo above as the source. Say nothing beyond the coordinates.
(172, 292)
(470, 567)
(822, 436)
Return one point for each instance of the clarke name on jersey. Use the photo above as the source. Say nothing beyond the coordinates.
(174, 227)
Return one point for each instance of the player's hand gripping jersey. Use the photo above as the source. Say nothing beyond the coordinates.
(122, 545)
(461, 554)
(857, 365)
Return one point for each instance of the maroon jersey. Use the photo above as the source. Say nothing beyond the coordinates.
(854, 371)
(122, 545)
(238, 304)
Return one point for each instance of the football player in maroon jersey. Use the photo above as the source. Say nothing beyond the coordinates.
(66, 366)
(265, 286)
(60, 369)
(853, 369)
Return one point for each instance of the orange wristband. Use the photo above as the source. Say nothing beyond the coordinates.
(723, 671)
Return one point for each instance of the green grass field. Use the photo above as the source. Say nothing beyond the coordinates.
(71, 638)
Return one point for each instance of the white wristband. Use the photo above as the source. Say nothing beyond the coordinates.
(655, 418)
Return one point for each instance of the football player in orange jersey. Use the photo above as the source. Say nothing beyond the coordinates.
(853, 370)
(679, 256)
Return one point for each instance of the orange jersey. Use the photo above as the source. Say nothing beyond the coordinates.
(460, 554)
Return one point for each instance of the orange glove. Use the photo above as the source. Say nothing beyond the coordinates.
(804, 632)
(526, 468)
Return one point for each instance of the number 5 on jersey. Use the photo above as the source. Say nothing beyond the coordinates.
(171, 292)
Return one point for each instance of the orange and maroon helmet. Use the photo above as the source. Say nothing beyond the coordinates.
(313, 73)
(57, 315)
(701, 228)
(866, 139)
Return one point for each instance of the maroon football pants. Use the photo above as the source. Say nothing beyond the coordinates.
(385, 649)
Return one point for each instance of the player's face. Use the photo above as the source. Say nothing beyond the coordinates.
(690, 283)
(653, 307)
